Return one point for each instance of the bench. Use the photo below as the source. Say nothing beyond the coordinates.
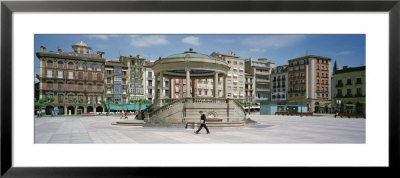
(88, 114)
(358, 115)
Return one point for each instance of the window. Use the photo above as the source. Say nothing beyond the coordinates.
(99, 67)
(150, 82)
(49, 63)
(80, 66)
(234, 62)
(359, 92)
(70, 65)
(98, 76)
(108, 79)
(90, 66)
(240, 82)
(70, 75)
(150, 91)
(99, 86)
(348, 82)
(150, 74)
(50, 85)
(49, 73)
(241, 63)
(60, 98)
(124, 73)
(358, 80)
(229, 81)
(124, 81)
(108, 72)
(80, 75)
(229, 62)
(60, 85)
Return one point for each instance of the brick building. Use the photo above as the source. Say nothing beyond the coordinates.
(310, 83)
(74, 79)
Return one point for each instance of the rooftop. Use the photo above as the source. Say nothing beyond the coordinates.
(350, 69)
(310, 56)
(189, 54)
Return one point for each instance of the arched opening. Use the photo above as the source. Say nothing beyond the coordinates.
(89, 109)
(359, 107)
(60, 64)
(71, 109)
(99, 109)
(49, 110)
(80, 110)
(61, 110)
(316, 107)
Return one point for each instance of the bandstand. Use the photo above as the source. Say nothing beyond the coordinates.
(190, 66)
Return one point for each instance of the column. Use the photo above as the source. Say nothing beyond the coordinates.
(224, 86)
(156, 86)
(193, 89)
(65, 110)
(161, 86)
(187, 82)
(85, 109)
(169, 88)
(215, 94)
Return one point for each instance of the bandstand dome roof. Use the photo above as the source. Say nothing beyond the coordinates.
(199, 65)
(189, 54)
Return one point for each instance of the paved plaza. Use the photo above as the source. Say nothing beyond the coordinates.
(270, 129)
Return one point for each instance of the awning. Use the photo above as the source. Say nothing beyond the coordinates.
(349, 105)
(126, 107)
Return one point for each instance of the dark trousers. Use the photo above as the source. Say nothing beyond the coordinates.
(201, 126)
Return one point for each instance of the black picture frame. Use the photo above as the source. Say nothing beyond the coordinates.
(8, 7)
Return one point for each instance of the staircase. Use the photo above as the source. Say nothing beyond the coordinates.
(220, 112)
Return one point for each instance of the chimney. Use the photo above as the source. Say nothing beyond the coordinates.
(101, 54)
(42, 49)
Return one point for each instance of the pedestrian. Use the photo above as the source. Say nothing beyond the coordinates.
(38, 113)
(202, 123)
(126, 114)
(122, 114)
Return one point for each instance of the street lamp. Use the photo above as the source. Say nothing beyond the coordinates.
(338, 102)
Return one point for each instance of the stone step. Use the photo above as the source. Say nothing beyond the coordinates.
(129, 123)
(193, 125)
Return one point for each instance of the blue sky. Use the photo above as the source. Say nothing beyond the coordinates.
(345, 49)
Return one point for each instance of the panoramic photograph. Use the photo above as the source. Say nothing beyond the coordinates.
(199, 89)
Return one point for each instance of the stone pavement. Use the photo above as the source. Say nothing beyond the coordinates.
(270, 129)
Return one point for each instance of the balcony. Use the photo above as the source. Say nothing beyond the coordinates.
(262, 89)
(262, 80)
(339, 85)
(262, 99)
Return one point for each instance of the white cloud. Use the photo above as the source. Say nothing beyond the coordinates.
(191, 40)
(343, 53)
(225, 41)
(101, 37)
(274, 41)
(257, 50)
(148, 40)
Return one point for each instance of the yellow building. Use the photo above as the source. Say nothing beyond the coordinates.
(349, 90)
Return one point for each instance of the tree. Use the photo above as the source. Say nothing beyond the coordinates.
(74, 103)
(106, 103)
(45, 100)
(140, 102)
(335, 67)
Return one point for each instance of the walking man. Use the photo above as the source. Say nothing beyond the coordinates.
(202, 123)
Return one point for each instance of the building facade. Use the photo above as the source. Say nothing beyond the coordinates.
(149, 80)
(116, 82)
(260, 70)
(235, 81)
(136, 78)
(74, 79)
(279, 87)
(309, 83)
(349, 90)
